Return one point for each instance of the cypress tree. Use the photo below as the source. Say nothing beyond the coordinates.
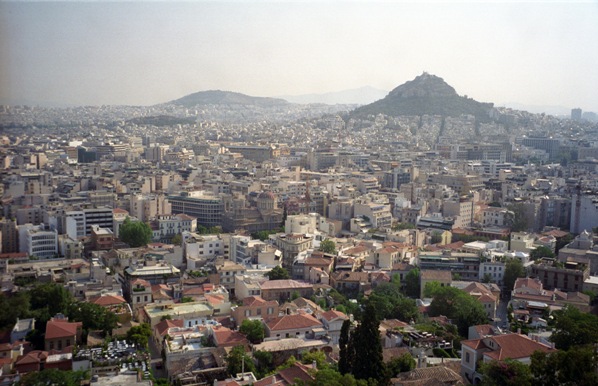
(368, 362)
(344, 361)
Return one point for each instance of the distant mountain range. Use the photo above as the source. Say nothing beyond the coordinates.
(356, 96)
(426, 94)
(218, 97)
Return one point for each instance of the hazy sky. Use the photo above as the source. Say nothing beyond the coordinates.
(142, 53)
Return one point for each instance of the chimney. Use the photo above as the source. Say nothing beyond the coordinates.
(314, 365)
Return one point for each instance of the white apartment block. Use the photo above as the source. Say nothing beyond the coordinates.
(198, 249)
(37, 241)
(165, 227)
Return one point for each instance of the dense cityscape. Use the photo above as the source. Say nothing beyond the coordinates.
(224, 239)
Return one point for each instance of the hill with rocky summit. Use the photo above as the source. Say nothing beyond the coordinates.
(218, 97)
(425, 95)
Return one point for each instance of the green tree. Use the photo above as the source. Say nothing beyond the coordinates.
(402, 225)
(53, 377)
(315, 356)
(506, 373)
(135, 233)
(278, 273)
(237, 359)
(345, 361)
(541, 252)
(412, 283)
(177, 239)
(49, 299)
(574, 328)
(139, 335)
(561, 242)
(328, 246)
(513, 270)
(253, 330)
(263, 235)
(576, 366)
(400, 364)
(13, 307)
(458, 305)
(93, 316)
(517, 219)
(330, 377)
(431, 289)
(264, 363)
(366, 343)
(203, 230)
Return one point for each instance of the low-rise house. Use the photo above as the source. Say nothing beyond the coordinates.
(285, 289)
(254, 307)
(300, 326)
(437, 375)
(227, 271)
(21, 328)
(444, 277)
(60, 333)
(117, 305)
(161, 329)
(349, 280)
(225, 337)
(500, 347)
(529, 295)
(288, 376)
(485, 296)
(194, 313)
(140, 293)
(567, 276)
(333, 321)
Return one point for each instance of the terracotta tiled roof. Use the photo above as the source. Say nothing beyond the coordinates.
(251, 301)
(162, 327)
(334, 314)
(297, 371)
(440, 275)
(226, 337)
(437, 375)
(484, 329)
(109, 300)
(61, 329)
(516, 346)
(513, 346)
(357, 277)
(32, 357)
(293, 322)
(285, 283)
(526, 282)
(142, 282)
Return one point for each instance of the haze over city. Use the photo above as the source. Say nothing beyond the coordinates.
(143, 53)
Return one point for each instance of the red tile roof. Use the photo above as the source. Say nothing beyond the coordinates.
(162, 327)
(334, 314)
(513, 346)
(293, 322)
(226, 337)
(109, 300)
(57, 328)
(285, 283)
